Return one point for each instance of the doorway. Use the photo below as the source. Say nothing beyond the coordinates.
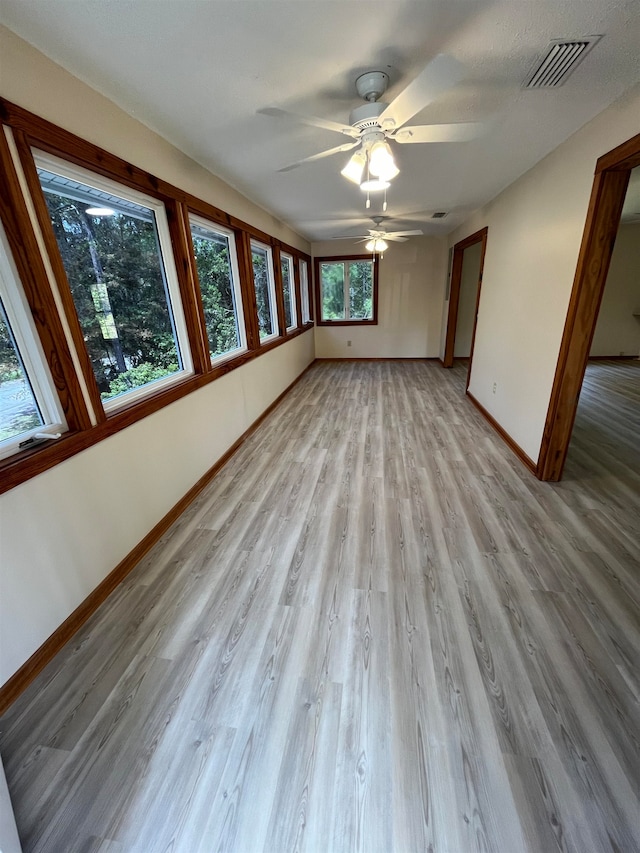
(464, 298)
(608, 194)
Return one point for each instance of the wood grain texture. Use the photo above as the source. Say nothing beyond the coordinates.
(600, 231)
(29, 132)
(454, 294)
(26, 256)
(373, 630)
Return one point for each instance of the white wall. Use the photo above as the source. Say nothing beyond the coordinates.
(535, 229)
(62, 532)
(470, 274)
(411, 289)
(618, 328)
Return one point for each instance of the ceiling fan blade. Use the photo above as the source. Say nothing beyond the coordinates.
(460, 132)
(395, 239)
(346, 147)
(311, 120)
(355, 237)
(393, 234)
(440, 74)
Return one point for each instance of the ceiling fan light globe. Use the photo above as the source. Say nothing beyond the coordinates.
(381, 162)
(374, 185)
(389, 172)
(376, 245)
(355, 167)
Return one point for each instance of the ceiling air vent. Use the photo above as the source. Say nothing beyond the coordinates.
(561, 59)
(439, 214)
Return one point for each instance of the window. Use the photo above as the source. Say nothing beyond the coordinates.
(262, 261)
(347, 290)
(116, 250)
(288, 291)
(113, 337)
(304, 292)
(217, 265)
(29, 407)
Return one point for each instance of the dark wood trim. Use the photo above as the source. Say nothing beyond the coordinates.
(254, 233)
(30, 130)
(252, 329)
(277, 281)
(59, 272)
(621, 159)
(21, 679)
(185, 262)
(337, 323)
(601, 228)
(483, 252)
(278, 319)
(504, 435)
(298, 291)
(293, 295)
(318, 299)
(62, 143)
(454, 302)
(312, 301)
(33, 276)
(21, 467)
(454, 294)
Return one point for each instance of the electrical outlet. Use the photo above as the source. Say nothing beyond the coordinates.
(495, 385)
(348, 343)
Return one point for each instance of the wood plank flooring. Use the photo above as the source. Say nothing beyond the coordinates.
(374, 631)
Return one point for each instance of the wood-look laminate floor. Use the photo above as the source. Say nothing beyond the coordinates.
(374, 631)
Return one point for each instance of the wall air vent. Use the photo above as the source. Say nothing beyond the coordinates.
(562, 57)
(439, 214)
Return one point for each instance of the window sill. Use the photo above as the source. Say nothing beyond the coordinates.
(347, 323)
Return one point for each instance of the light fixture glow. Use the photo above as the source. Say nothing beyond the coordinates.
(376, 245)
(381, 162)
(100, 211)
(355, 167)
(374, 185)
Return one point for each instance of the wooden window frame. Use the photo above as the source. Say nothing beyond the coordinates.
(293, 294)
(32, 132)
(241, 311)
(277, 307)
(190, 354)
(318, 296)
(299, 261)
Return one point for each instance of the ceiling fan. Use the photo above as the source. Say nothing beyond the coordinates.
(375, 122)
(377, 237)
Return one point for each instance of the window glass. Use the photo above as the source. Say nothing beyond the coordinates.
(219, 281)
(19, 411)
(346, 290)
(304, 292)
(288, 291)
(360, 290)
(116, 252)
(28, 403)
(332, 278)
(265, 294)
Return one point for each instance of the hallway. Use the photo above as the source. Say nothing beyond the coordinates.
(374, 631)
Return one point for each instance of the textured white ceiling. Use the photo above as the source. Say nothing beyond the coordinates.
(197, 71)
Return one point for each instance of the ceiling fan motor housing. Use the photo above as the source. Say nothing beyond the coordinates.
(367, 115)
(372, 85)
